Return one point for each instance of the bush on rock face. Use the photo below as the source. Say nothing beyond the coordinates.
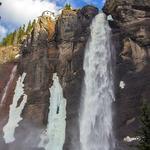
(8, 54)
(68, 7)
(144, 141)
(18, 36)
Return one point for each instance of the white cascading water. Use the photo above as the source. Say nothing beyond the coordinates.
(97, 94)
(15, 111)
(54, 136)
(12, 75)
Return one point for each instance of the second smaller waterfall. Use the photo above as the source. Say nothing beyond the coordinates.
(54, 136)
(12, 76)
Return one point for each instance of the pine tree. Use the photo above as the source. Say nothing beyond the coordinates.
(8, 40)
(144, 142)
(21, 33)
(18, 35)
(24, 29)
(68, 7)
(33, 23)
(15, 39)
(29, 28)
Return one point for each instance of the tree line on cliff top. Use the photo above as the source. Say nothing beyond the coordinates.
(18, 35)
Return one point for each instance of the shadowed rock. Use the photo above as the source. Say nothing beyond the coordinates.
(131, 34)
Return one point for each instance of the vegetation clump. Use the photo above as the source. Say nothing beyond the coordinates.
(8, 54)
(17, 36)
(68, 6)
(144, 141)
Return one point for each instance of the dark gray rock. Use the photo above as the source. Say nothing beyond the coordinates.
(73, 32)
(55, 47)
(131, 29)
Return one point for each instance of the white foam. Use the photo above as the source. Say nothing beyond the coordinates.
(122, 84)
(110, 18)
(131, 139)
(96, 132)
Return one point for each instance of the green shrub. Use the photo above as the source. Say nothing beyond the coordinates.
(144, 141)
(68, 7)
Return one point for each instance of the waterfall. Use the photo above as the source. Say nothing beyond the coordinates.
(97, 93)
(12, 75)
(54, 136)
(15, 110)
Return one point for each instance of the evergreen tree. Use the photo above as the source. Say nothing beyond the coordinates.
(24, 29)
(8, 40)
(17, 36)
(68, 6)
(15, 39)
(29, 28)
(21, 33)
(144, 142)
(33, 23)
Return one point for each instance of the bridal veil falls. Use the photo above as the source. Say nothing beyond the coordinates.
(96, 131)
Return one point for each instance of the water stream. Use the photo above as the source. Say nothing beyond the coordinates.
(12, 76)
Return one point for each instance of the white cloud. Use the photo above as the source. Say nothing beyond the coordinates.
(21, 11)
(91, 1)
(103, 1)
(3, 32)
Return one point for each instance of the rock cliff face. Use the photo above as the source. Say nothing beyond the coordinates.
(72, 34)
(130, 25)
(35, 61)
(56, 47)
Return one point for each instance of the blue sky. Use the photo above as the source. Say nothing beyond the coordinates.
(18, 12)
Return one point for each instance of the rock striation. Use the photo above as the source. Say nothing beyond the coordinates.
(35, 62)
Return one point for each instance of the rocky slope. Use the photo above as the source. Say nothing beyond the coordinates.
(130, 25)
